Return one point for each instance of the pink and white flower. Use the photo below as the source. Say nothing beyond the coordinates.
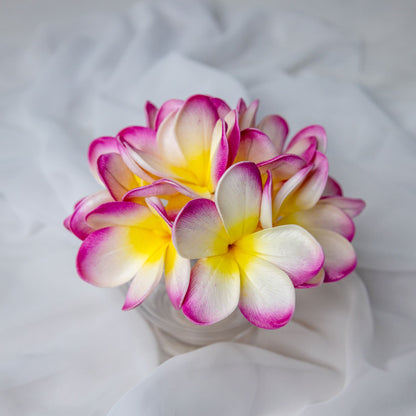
(191, 143)
(241, 264)
(132, 242)
(203, 181)
(300, 201)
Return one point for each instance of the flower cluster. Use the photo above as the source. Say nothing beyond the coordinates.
(206, 182)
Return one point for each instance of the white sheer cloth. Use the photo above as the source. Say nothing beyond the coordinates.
(67, 349)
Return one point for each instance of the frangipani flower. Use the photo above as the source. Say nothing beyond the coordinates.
(108, 167)
(132, 241)
(299, 201)
(261, 216)
(241, 264)
(193, 143)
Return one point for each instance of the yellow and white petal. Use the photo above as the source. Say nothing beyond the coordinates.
(289, 247)
(111, 256)
(238, 198)
(198, 230)
(267, 295)
(214, 290)
(194, 126)
(146, 280)
(168, 147)
(177, 274)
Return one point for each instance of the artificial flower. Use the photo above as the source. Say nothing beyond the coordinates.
(203, 181)
(300, 201)
(132, 241)
(191, 143)
(239, 263)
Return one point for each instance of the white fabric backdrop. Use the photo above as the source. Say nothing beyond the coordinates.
(66, 347)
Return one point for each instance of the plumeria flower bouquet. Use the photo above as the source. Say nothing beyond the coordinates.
(207, 183)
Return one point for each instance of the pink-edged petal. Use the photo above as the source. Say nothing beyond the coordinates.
(169, 107)
(332, 188)
(168, 147)
(318, 132)
(147, 162)
(255, 147)
(282, 167)
(150, 110)
(111, 256)
(314, 282)
(241, 106)
(177, 275)
(233, 135)
(118, 213)
(289, 188)
(351, 206)
(305, 148)
(214, 290)
(221, 106)
(266, 210)
(289, 247)
(340, 258)
(138, 137)
(322, 216)
(132, 140)
(116, 176)
(161, 188)
(194, 125)
(198, 230)
(304, 194)
(145, 281)
(77, 222)
(131, 160)
(247, 117)
(218, 159)
(267, 295)
(276, 128)
(238, 198)
(99, 147)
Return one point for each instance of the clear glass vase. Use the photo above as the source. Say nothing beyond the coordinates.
(177, 335)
